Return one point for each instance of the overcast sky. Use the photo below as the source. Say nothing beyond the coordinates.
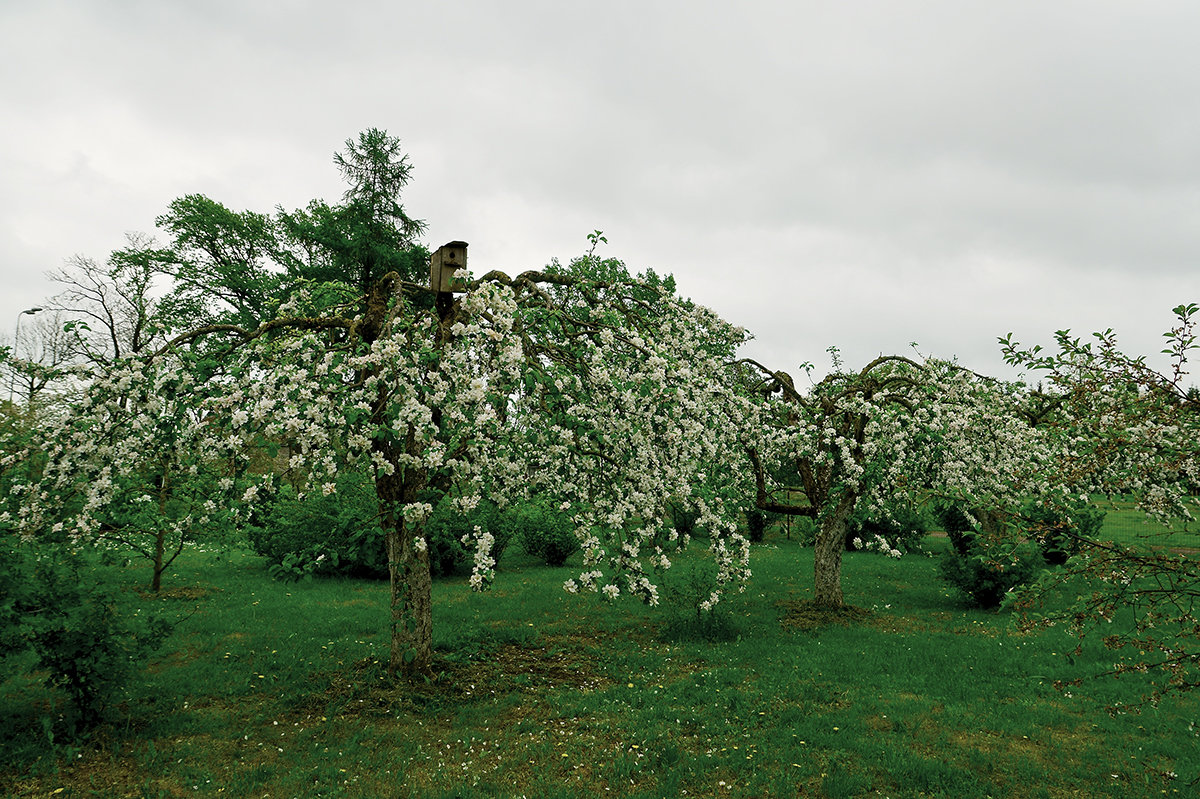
(857, 174)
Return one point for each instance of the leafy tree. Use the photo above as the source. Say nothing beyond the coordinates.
(376, 170)
(897, 428)
(1120, 427)
(39, 361)
(226, 266)
(115, 314)
(370, 234)
(128, 465)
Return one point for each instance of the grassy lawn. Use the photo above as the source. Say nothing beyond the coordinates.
(274, 689)
(1127, 525)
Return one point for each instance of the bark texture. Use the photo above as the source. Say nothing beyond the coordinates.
(827, 553)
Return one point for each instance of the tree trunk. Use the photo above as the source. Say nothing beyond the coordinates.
(160, 535)
(160, 546)
(408, 567)
(827, 559)
(411, 603)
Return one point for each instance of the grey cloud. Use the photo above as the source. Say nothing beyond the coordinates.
(942, 172)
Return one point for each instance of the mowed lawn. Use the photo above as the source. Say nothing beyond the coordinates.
(271, 689)
(1125, 524)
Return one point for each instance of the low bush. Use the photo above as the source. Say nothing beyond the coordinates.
(955, 524)
(339, 533)
(985, 580)
(448, 526)
(443, 535)
(329, 534)
(804, 528)
(1058, 530)
(545, 532)
(86, 648)
(686, 592)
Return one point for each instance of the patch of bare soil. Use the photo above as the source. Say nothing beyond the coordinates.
(519, 667)
(525, 667)
(806, 615)
(182, 592)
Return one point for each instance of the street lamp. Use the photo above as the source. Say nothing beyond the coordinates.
(16, 343)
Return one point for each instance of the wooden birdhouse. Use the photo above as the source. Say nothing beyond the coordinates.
(448, 267)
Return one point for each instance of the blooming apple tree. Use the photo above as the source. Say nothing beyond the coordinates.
(580, 382)
(123, 467)
(625, 404)
(898, 427)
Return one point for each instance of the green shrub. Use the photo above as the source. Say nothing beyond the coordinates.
(685, 592)
(443, 534)
(340, 533)
(88, 650)
(1058, 530)
(545, 532)
(804, 528)
(448, 526)
(17, 597)
(955, 525)
(983, 580)
(336, 533)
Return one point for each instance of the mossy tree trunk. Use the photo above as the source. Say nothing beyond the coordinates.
(827, 552)
(411, 598)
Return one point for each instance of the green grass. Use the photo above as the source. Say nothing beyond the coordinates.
(1125, 524)
(273, 689)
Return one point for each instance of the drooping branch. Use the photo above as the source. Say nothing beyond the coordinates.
(775, 381)
(245, 336)
(531, 277)
(763, 499)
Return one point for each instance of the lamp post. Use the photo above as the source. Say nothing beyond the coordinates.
(16, 343)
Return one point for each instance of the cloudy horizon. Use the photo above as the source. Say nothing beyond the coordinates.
(860, 175)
